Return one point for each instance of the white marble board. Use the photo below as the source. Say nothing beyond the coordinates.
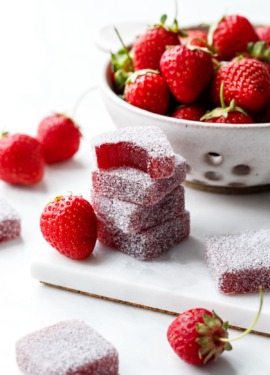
(178, 280)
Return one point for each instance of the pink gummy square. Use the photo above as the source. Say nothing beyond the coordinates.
(10, 223)
(240, 262)
(132, 217)
(148, 244)
(135, 186)
(66, 348)
(145, 148)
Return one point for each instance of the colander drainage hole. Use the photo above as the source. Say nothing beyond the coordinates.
(213, 175)
(241, 170)
(213, 158)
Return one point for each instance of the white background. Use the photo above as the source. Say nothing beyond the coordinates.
(48, 59)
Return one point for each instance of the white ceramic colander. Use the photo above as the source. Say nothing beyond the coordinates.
(220, 157)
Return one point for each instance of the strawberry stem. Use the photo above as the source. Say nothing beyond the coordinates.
(124, 46)
(249, 329)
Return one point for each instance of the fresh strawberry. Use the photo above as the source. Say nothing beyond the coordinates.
(192, 112)
(264, 33)
(195, 38)
(69, 225)
(195, 336)
(198, 336)
(21, 159)
(149, 47)
(260, 51)
(187, 71)
(59, 136)
(246, 80)
(231, 35)
(231, 114)
(147, 89)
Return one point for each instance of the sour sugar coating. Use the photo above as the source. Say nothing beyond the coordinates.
(10, 222)
(135, 186)
(144, 148)
(148, 244)
(131, 217)
(239, 263)
(68, 347)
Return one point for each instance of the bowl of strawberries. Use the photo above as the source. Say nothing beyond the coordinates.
(208, 89)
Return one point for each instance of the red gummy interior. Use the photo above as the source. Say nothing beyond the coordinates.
(122, 154)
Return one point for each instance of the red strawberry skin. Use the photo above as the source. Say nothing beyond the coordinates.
(149, 47)
(182, 335)
(192, 112)
(148, 91)
(21, 159)
(69, 225)
(195, 38)
(247, 81)
(264, 34)
(60, 138)
(232, 35)
(186, 71)
(233, 118)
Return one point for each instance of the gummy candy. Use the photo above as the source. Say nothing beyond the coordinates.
(68, 347)
(144, 148)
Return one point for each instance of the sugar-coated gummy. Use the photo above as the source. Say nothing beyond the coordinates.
(240, 262)
(148, 244)
(10, 223)
(132, 217)
(144, 148)
(135, 186)
(66, 348)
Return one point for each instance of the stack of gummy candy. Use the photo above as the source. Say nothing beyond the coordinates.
(137, 192)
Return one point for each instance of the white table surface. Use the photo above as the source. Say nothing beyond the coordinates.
(48, 58)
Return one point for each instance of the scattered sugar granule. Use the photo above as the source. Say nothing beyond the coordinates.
(69, 347)
(239, 263)
(10, 223)
(131, 217)
(148, 244)
(144, 148)
(135, 186)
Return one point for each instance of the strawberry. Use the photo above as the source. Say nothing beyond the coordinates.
(231, 35)
(69, 225)
(195, 38)
(149, 47)
(59, 136)
(231, 114)
(21, 159)
(198, 336)
(264, 34)
(187, 71)
(147, 90)
(246, 80)
(192, 112)
(195, 336)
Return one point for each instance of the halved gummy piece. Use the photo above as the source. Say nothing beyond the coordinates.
(143, 148)
(240, 262)
(148, 244)
(10, 223)
(68, 347)
(131, 217)
(132, 185)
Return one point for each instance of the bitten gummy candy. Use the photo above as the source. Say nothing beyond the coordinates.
(68, 347)
(239, 263)
(148, 244)
(131, 217)
(10, 223)
(133, 185)
(145, 148)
